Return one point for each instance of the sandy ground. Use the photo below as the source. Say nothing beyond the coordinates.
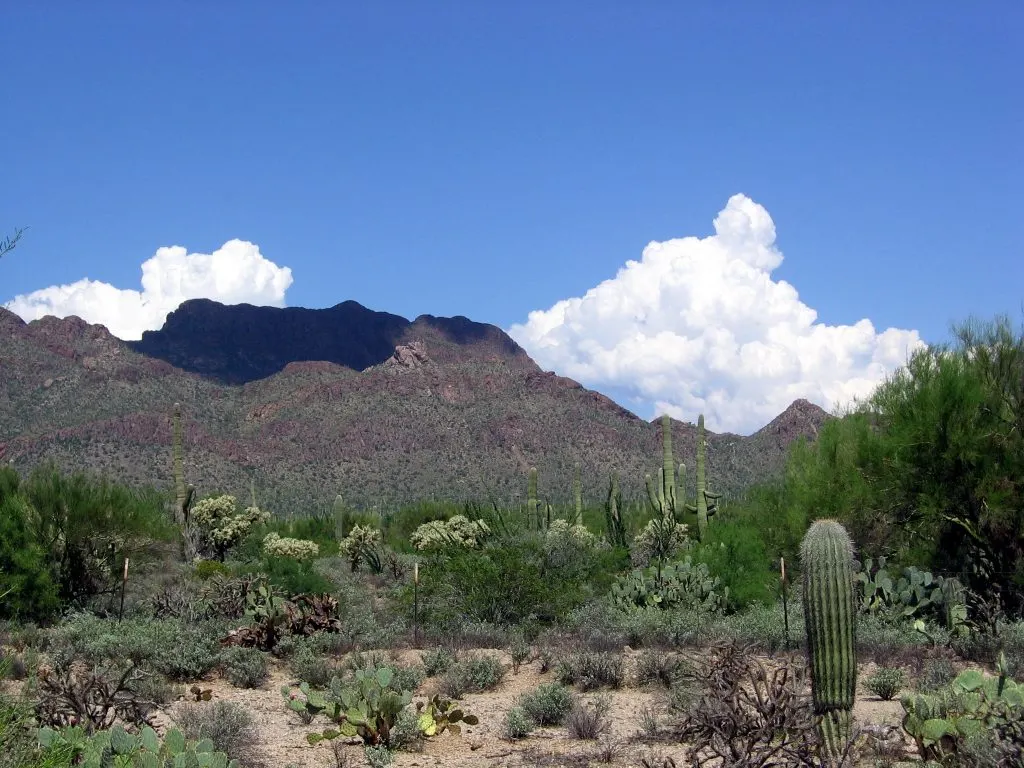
(283, 736)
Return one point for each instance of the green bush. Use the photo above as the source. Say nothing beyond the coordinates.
(311, 667)
(293, 577)
(886, 682)
(26, 580)
(590, 670)
(474, 674)
(227, 724)
(517, 725)
(735, 553)
(548, 704)
(245, 667)
(437, 661)
(88, 526)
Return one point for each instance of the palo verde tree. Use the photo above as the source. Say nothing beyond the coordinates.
(9, 243)
(930, 468)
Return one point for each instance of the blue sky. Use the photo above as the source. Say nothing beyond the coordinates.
(495, 159)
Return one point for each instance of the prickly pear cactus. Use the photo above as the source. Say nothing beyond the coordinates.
(830, 607)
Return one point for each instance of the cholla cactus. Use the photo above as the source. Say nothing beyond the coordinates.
(360, 544)
(222, 524)
(659, 540)
(296, 549)
(457, 531)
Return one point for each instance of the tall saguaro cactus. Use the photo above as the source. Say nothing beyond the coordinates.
(178, 465)
(577, 492)
(665, 499)
(830, 609)
(183, 494)
(614, 514)
(533, 516)
(706, 503)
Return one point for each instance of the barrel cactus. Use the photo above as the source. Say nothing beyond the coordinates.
(830, 608)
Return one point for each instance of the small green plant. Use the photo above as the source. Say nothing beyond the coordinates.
(588, 720)
(517, 725)
(475, 674)
(548, 704)
(245, 667)
(886, 682)
(437, 661)
(519, 651)
(378, 756)
(589, 670)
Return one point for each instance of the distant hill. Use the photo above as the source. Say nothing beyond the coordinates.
(314, 402)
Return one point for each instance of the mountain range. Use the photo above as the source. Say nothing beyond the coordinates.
(304, 404)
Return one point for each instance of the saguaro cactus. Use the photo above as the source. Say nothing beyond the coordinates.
(184, 494)
(178, 466)
(613, 514)
(706, 503)
(665, 498)
(830, 608)
(577, 492)
(533, 517)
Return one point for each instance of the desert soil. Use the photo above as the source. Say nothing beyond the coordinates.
(283, 736)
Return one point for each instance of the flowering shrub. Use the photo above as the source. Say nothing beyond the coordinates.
(362, 544)
(222, 525)
(297, 549)
(660, 539)
(458, 531)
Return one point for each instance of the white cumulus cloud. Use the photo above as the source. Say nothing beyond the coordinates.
(235, 273)
(699, 325)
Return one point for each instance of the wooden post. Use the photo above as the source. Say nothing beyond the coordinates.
(124, 586)
(785, 601)
(416, 605)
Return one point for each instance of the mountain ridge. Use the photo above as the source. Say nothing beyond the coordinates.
(455, 410)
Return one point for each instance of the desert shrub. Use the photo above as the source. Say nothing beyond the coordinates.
(507, 583)
(228, 725)
(674, 629)
(378, 757)
(311, 667)
(291, 576)
(935, 674)
(195, 654)
(589, 670)
(519, 651)
(588, 720)
(886, 682)
(735, 553)
(26, 579)
(245, 667)
(657, 667)
(437, 661)
(475, 673)
(517, 724)
(406, 734)
(880, 641)
(548, 704)
(478, 634)
(207, 569)
(763, 626)
(165, 645)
